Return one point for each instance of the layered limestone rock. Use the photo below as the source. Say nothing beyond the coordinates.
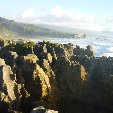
(3, 42)
(83, 52)
(72, 74)
(62, 77)
(2, 62)
(10, 90)
(33, 76)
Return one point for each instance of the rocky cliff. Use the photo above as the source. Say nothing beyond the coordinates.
(61, 77)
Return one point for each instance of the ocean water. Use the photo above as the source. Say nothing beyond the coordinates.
(102, 46)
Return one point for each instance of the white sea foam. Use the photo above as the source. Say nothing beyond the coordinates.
(108, 54)
(102, 46)
(110, 49)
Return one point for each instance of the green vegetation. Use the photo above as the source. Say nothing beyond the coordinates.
(20, 48)
(12, 29)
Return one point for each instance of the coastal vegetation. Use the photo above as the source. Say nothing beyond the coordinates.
(12, 29)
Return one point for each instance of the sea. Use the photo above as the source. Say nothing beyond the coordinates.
(101, 45)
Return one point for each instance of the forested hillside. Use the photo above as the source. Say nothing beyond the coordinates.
(10, 28)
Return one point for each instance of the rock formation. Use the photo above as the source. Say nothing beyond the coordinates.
(41, 109)
(61, 77)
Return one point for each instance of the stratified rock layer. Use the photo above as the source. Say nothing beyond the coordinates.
(57, 76)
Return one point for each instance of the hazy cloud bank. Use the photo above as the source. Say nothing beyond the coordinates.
(68, 18)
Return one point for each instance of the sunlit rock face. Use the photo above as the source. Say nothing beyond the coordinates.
(55, 76)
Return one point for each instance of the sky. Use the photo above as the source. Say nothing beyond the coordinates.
(83, 14)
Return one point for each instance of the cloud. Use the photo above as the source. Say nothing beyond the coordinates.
(57, 11)
(72, 18)
(28, 13)
(68, 18)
